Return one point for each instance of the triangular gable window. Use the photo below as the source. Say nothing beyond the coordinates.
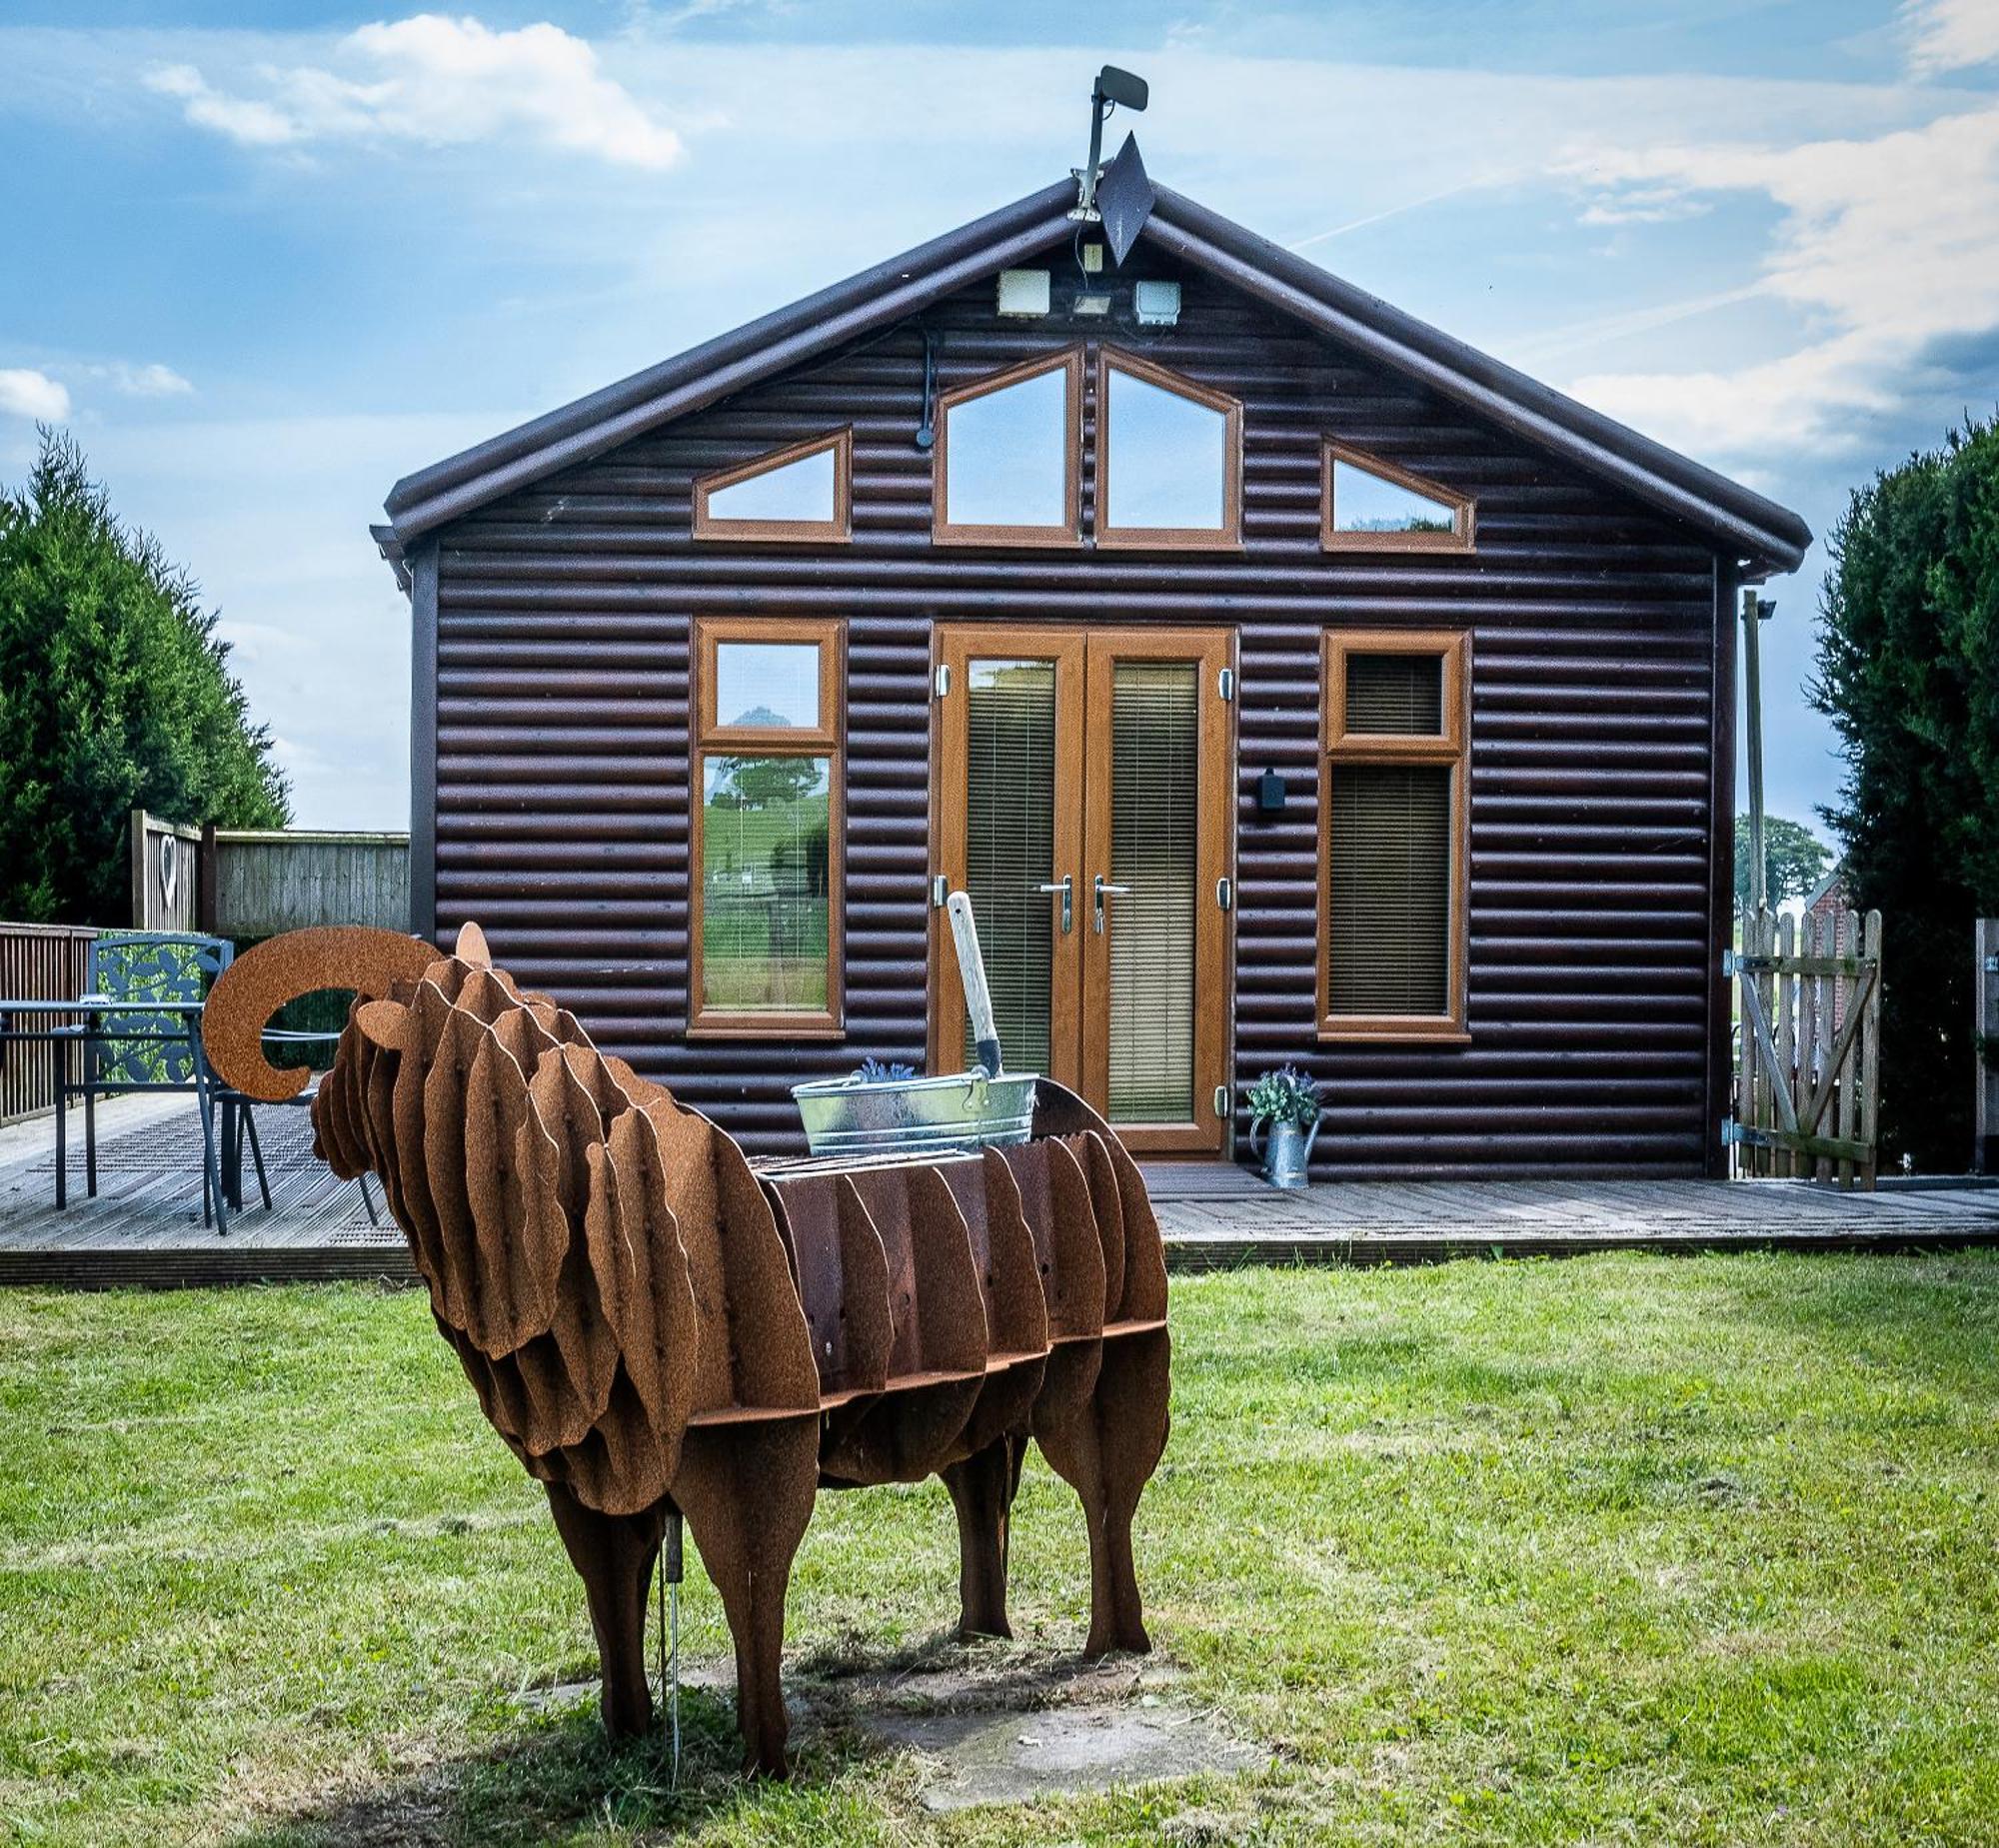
(1008, 457)
(1368, 505)
(1168, 458)
(802, 494)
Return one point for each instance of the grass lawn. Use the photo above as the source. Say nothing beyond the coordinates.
(1621, 1549)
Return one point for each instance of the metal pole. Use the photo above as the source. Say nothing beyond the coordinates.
(1753, 692)
(1985, 988)
(670, 1573)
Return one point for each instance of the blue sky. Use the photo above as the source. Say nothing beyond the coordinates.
(265, 260)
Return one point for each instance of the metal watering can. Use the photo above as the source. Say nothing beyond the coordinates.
(1288, 1160)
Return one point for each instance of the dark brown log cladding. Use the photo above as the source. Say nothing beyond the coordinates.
(562, 739)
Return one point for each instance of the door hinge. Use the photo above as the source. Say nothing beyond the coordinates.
(941, 680)
(1222, 1101)
(1225, 894)
(1225, 684)
(939, 891)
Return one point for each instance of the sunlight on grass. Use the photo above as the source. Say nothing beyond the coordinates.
(1615, 1549)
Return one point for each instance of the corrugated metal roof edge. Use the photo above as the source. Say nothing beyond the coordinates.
(1769, 536)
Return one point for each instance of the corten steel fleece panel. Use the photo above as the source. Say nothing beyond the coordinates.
(563, 621)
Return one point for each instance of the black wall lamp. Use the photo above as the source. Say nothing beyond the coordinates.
(1270, 794)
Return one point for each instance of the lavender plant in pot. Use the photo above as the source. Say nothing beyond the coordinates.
(1287, 1102)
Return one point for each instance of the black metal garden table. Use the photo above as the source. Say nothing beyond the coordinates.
(180, 1027)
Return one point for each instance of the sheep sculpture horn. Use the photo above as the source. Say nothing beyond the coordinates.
(280, 970)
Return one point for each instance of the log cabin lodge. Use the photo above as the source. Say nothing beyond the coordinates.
(1285, 681)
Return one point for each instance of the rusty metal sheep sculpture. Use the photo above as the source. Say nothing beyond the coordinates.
(652, 1325)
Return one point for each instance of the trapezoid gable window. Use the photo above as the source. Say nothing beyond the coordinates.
(802, 494)
(1168, 458)
(1367, 504)
(766, 829)
(1393, 814)
(1009, 456)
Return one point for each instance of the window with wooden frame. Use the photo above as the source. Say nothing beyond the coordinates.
(766, 805)
(1009, 468)
(800, 494)
(1168, 458)
(1395, 806)
(1367, 504)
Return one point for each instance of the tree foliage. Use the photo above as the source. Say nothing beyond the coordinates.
(1908, 670)
(114, 693)
(1794, 860)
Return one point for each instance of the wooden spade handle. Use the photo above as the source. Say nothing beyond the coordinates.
(971, 973)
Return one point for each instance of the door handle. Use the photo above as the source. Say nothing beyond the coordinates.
(1105, 890)
(1067, 886)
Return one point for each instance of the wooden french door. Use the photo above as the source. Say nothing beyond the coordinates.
(1084, 799)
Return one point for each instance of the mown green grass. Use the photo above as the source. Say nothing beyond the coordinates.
(1619, 1549)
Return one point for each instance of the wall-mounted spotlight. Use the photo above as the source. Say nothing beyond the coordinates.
(1023, 293)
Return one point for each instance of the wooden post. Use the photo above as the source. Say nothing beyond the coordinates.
(1811, 1048)
(1985, 1017)
(1786, 1033)
(1848, 938)
(1757, 941)
(1867, 1055)
(1985, 1021)
(136, 851)
(204, 888)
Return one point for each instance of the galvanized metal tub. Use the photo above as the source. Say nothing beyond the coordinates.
(878, 1116)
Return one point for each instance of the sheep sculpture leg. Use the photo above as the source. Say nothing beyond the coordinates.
(981, 1490)
(650, 1323)
(747, 1492)
(1106, 1453)
(614, 1555)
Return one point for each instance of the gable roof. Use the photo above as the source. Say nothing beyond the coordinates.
(1768, 536)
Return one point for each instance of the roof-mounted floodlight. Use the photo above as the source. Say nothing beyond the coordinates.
(1113, 87)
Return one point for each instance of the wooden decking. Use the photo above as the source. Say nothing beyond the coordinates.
(144, 1228)
(1212, 1223)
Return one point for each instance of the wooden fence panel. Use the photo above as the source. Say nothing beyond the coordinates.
(166, 877)
(1810, 1070)
(269, 879)
(44, 962)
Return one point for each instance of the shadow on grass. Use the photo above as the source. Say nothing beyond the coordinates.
(557, 1773)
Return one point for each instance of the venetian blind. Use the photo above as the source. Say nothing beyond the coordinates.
(1009, 836)
(1395, 694)
(1154, 804)
(1390, 949)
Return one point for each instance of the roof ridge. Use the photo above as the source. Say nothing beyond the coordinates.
(1769, 536)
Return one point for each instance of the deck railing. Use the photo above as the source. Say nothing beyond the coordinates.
(37, 963)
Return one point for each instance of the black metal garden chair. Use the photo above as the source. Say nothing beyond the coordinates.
(140, 1031)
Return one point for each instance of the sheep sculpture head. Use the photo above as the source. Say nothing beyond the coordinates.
(654, 1326)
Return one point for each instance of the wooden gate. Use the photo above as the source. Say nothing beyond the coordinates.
(1806, 1082)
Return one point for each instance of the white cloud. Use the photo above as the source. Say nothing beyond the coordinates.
(1645, 205)
(256, 125)
(1950, 35)
(437, 81)
(24, 393)
(1885, 247)
(151, 381)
